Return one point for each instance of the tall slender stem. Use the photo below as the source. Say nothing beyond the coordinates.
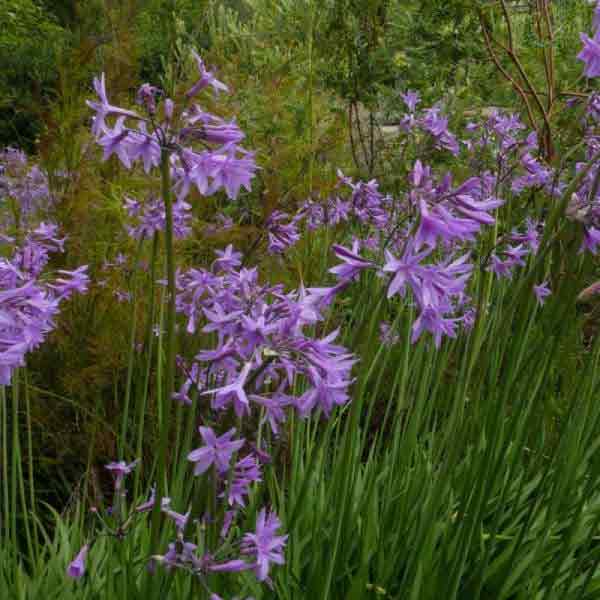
(141, 412)
(4, 518)
(170, 349)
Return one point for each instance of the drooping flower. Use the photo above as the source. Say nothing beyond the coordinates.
(146, 97)
(114, 141)
(71, 281)
(352, 263)
(387, 335)
(120, 470)
(438, 222)
(149, 504)
(245, 472)
(233, 391)
(591, 239)
(431, 319)
(76, 568)
(542, 291)
(179, 519)
(590, 54)
(144, 146)
(180, 554)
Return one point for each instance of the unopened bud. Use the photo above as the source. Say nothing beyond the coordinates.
(169, 108)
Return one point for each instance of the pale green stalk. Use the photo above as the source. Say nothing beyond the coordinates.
(170, 349)
(149, 337)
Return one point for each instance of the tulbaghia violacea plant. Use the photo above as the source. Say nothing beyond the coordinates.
(196, 149)
(29, 295)
(30, 298)
(192, 149)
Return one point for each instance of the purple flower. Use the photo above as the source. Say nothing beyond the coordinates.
(220, 132)
(71, 281)
(432, 320)
(228, 259)
(591, 239)
(206, 79)
(387, 336)
(149, 504)
(281, 236)
(76, 568)
(217, 451)
(227, 521)
(541, 291)
(352, 264)
(235, 391)
(151, 218)
(264, 544)
(439, 222)
(499, 267)
(411, 99)
(169, 109)
(406, 270)
(104, 109)
(179, 519)
(469, 318)
(232, 173)
(274, 409)
(246, 471)
(180, 554)
(115, 142)
(437, 126)
(146, 97)
(476, 210)
(230, 566)
(327, 391)
(531, 237)
(516, 254)
(144, 146)
(120, 470)
(590, 54)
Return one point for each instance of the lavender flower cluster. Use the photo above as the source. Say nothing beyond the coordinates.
(220, 163)
(262, 347)
(24, 184)
(265, 345)
(423, 241)
(29, 298)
